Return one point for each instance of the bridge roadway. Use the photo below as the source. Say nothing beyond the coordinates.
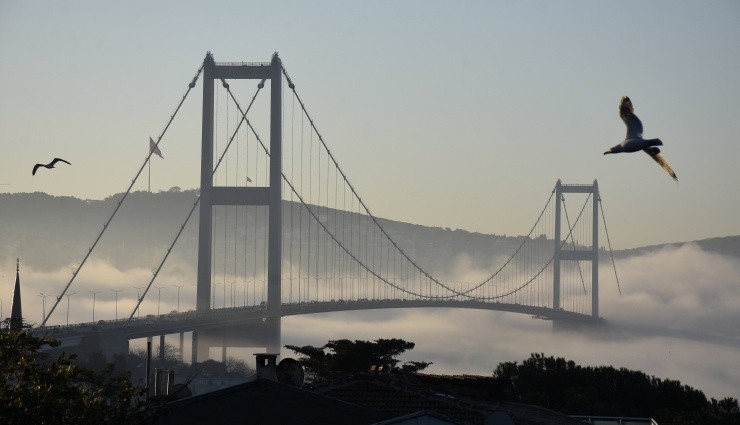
(175, 323)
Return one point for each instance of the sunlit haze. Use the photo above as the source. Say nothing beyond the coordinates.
(449, 114)
(461, 116)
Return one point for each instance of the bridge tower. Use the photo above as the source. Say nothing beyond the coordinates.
(270, 196)
(591, 254)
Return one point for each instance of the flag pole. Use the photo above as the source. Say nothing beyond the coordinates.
(153, 149)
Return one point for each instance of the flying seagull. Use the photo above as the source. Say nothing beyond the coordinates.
(634, 142)
(49, 165)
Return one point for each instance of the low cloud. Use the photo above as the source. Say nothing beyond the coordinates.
(683, 289)
(676, 318)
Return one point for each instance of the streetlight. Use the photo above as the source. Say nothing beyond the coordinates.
(116, 291)
(69, 295)
(231, 291)
(159, 298)
(178, 296)
(138, 297)
(213, 292)
(43, 304)
(93, 312)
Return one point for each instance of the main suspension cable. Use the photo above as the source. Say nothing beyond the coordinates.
(367, 210)
(525, 284)
(614, 266)
(313, 214)
(120, 202)
(524, 241)
(197, 200)
(580, 272)
(454, 292)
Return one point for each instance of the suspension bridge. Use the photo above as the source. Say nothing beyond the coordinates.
(279, 216)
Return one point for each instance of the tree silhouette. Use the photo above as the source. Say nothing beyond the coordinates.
(343, 357)
(35, 390)
(562, 385)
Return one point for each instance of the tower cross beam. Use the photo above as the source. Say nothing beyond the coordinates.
(261, 71)
(223, 195)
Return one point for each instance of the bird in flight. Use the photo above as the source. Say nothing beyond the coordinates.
(49, 165)
(634, 142)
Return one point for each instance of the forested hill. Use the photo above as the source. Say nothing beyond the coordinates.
(728, 245)
(50, 232)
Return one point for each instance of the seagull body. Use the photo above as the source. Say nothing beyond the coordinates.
(49, 165)
(634, 142)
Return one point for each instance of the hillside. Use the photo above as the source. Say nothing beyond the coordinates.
(50, 232)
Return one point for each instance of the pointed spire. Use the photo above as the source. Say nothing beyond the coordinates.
(16, 316)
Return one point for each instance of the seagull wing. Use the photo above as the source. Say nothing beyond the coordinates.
(59, 160)
(660, 159)
(627, 112)
(36, 167)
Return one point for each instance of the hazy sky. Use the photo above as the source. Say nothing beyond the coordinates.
(443, 113)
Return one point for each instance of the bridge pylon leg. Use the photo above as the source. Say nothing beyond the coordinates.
(273, 343)
(591, 255)
(270, 197)
(201, 349)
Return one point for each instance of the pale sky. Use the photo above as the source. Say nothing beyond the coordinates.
(442, 113)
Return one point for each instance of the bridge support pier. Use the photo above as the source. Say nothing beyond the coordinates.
(259, 333)
(182, 340)
(272, 343)
(161, 348)
(200, 348)
(113, 345)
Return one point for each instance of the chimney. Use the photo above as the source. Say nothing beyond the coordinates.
(266, 365)
(164, 382)
(170, 383)
(16, 315)
(158, 382)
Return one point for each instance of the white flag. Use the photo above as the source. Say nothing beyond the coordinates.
(153, 147)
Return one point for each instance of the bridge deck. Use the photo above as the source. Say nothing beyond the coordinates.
(191, 321)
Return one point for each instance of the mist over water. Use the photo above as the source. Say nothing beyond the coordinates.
(676, 318)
